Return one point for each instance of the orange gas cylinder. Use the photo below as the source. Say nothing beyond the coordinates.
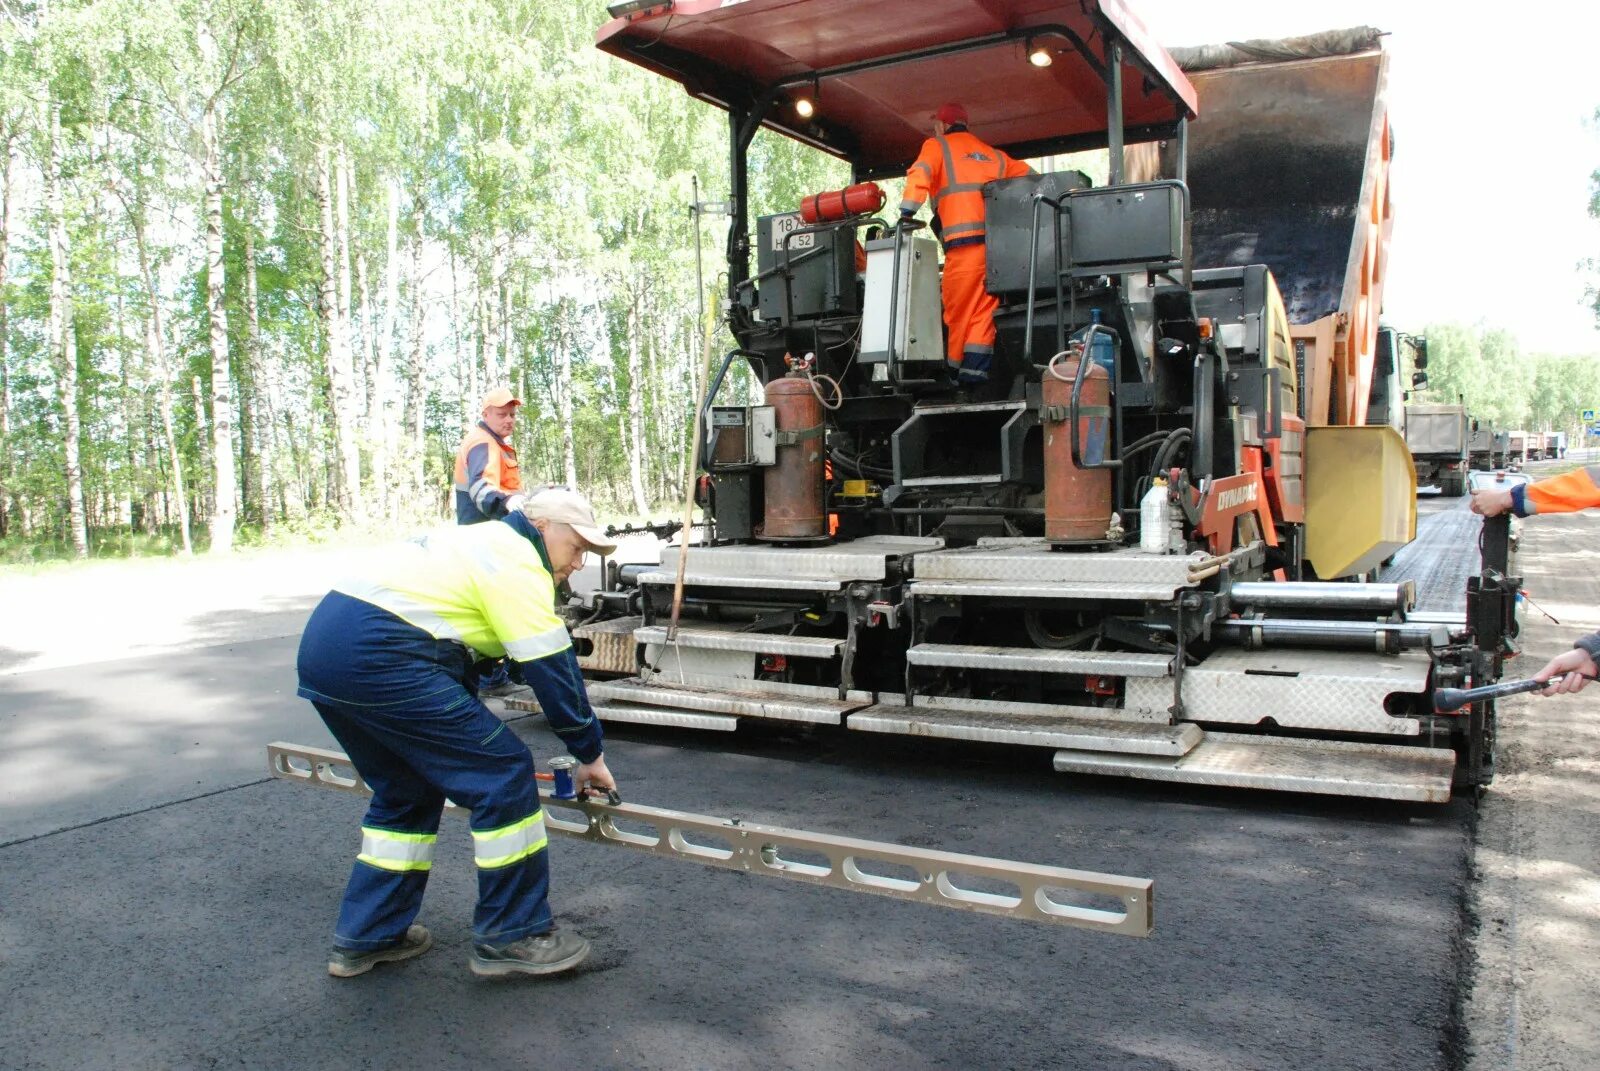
(1077, 500)
(794, 485)
(857, 200)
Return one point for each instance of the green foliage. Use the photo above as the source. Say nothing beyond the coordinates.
(1504, 386)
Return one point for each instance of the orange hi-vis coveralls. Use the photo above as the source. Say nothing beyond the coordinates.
(486, 476)
(952, 168)
(1567, 493)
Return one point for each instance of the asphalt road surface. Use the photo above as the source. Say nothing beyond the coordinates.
(164, 905)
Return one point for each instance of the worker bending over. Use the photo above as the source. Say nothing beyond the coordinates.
(952, 168)
(387, 660)
(1566, 493)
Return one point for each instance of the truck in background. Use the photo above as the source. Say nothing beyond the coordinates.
(1438, 437)
(1487, 448)
(1517, 450)
(1555, 445)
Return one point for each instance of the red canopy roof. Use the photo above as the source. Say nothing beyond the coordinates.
(732, 52)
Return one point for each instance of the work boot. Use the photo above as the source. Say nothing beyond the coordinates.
(543, 953)
(347, 962)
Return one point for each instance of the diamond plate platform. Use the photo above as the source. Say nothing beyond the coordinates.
(694, 577)
(744, 703)
(610, 645)
(1041, 710)
(716, 639)
(1034, 562)
(1334, 691)
(634, 714)
(1034, 730)
(1020, 659)
(860, 559)
(1326, 767)
(1000, 589)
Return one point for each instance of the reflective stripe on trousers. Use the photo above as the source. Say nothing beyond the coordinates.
(494, 848)
(387, 849)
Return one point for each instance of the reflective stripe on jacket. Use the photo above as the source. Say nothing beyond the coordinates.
(486, 475)
(952, 169)
(487, 587)
(1567, 493)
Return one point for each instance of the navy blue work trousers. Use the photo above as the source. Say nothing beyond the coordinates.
(403, 706)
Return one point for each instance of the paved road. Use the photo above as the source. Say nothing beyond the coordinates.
(163, 905)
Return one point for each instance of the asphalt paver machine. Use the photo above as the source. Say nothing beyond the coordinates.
(1148, 542)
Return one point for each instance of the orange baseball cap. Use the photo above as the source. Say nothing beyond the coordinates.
(498, 397)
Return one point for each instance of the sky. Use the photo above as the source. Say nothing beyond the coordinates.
(1492, 108)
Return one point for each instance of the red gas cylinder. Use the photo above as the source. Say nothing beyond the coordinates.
(857, 200)
(794, 485)
(1077, 501)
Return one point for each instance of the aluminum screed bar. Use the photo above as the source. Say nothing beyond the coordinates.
(1042, 893)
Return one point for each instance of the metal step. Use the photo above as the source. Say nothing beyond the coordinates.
(1052, 589)
(1081, 733)
(1037, 710)
(1330, 691)
(1327, 767)
(751, 642)
(1021, 659)
(750, 704)
(636, 714)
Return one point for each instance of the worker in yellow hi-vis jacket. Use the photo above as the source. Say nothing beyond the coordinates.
(387, 659)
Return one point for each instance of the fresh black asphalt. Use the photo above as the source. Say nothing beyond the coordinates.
(191, 931)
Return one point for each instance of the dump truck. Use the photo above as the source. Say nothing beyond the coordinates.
(1439, 438)
(1555, 445)
(1145, 546)
(1517, 447)
(1487, 447)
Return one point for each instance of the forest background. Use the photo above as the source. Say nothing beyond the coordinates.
(259, 259)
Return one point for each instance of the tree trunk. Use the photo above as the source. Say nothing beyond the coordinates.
(155, 346)
(263, 421)
(6, 138)
(347, 484)
(224, 491)
(634, 416)
(341, 187)
(369, 382)
(61, 335)
(569, 460)
(419, 397)
(381, 419)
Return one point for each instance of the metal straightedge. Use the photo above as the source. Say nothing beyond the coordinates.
(947, 879)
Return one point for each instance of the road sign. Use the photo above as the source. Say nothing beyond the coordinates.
(1588, 416)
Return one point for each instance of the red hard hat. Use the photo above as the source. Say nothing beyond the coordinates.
(951, 113)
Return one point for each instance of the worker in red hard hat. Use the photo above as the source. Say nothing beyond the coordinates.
(952, 168)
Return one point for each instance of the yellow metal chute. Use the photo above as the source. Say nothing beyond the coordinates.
(1361, 498)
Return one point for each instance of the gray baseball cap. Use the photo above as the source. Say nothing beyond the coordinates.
(570, 508)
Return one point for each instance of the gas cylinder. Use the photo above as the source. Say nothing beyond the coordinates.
(1077, 501)
(794, 484)
(857, 200)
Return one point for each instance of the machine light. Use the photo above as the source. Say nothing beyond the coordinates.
(638, 7)
(804, 108)
(1040, 56)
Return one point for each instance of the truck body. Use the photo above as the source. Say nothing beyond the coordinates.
(1438, 437)
(1517, 448)
(1118, 547)
(1487, 447)
(1555, 445)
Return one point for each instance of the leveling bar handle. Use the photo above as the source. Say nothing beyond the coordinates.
(1446, 700)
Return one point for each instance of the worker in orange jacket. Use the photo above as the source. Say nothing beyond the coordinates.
(952, 168)
(488, 486)
(1566, 493)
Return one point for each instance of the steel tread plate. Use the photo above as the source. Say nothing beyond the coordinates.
(860, 559)
(1007, 706)
(752, 642)
(1112, 663)
(682, 719)
(993, 589)
(760, 583)
(1327, 767)
(611, 642)
(751, 704)
(1039, 731)
(718, 682)
(1332, 691)
(1035, 562)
